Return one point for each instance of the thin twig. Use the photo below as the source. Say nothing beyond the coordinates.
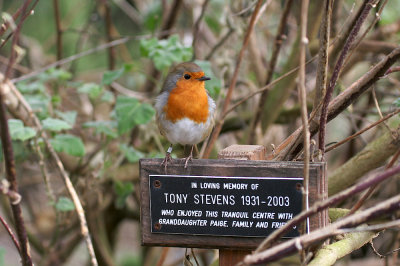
(319, 206)
(293, 144)
(265, 88)
(59, 32)
(45, 174)
(49, 190)
(218, 127)
(15, 16)
(361, 38)
(70, 188)
(367, 194)
(375, 99)
(375, 227)
(305, 241)
(197, 27)
(170, 20)
(8, 149)
(6, 24)
(127, 8)
(163, 256)
(221, 42)
(194, 256)
(322, 66)
(72, 58)
(11, 234)
(80, 55)
(279, 38)
(362, 131)
(109, 38)
(303, 102)
(338, 67)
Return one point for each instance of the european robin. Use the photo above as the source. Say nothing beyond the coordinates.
(185, 111)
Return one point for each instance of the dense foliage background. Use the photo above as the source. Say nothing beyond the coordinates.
(81, 77)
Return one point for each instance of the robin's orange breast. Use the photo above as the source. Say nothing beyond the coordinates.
(189, 99)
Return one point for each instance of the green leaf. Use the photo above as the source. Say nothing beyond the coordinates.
(131, 154)
(64, 204)
(110, 76)
(55, 74)
(152, 18)
(69, 116)
(18, 131)
(92, 89)
(54, 124)
(213, 23)
(107, 97)
(103, 127)
(128, 67)
(39, 104)
(123, 190)
(33, 87)
(130, 112)
(165, 52)
(69, 144)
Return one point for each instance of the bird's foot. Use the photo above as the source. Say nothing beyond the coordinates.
(187, 159)
(190, 157)
(167, 159)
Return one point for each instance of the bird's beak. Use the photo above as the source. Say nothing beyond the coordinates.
(204, 78)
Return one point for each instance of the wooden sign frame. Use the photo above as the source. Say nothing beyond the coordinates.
(231, 168)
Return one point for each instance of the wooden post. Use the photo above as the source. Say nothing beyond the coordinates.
(229, 257)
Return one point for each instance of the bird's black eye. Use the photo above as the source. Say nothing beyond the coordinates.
(186, 76)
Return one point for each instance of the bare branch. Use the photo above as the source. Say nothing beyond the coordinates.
(338, 67)
(218, 126)
(319, 206)
(279, 38)
(299, 243)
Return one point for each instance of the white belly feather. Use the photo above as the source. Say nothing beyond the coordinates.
(183, 131)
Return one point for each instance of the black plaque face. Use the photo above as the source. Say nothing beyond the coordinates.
(223, 206)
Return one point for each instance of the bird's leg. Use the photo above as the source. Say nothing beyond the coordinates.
(190, 157)
(167, 158)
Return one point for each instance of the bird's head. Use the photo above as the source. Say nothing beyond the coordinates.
(185, 75)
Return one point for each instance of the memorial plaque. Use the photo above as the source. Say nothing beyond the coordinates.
(221, 203)
(224, 206)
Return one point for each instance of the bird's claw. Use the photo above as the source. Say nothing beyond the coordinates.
(187, 159)
(166, 160)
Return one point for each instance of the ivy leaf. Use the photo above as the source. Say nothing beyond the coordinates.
(18, 131)
(68, 117)
(64, 204)
(131, 154)
(110, 76)
(130, 112)
(153, 17)
(103, 127)
(107, 97)
(92, 89)
(69, 144)
(33, 87)
(39, 104)
(55, 74)
(54, 124)
(123, 190)
(165, 52)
